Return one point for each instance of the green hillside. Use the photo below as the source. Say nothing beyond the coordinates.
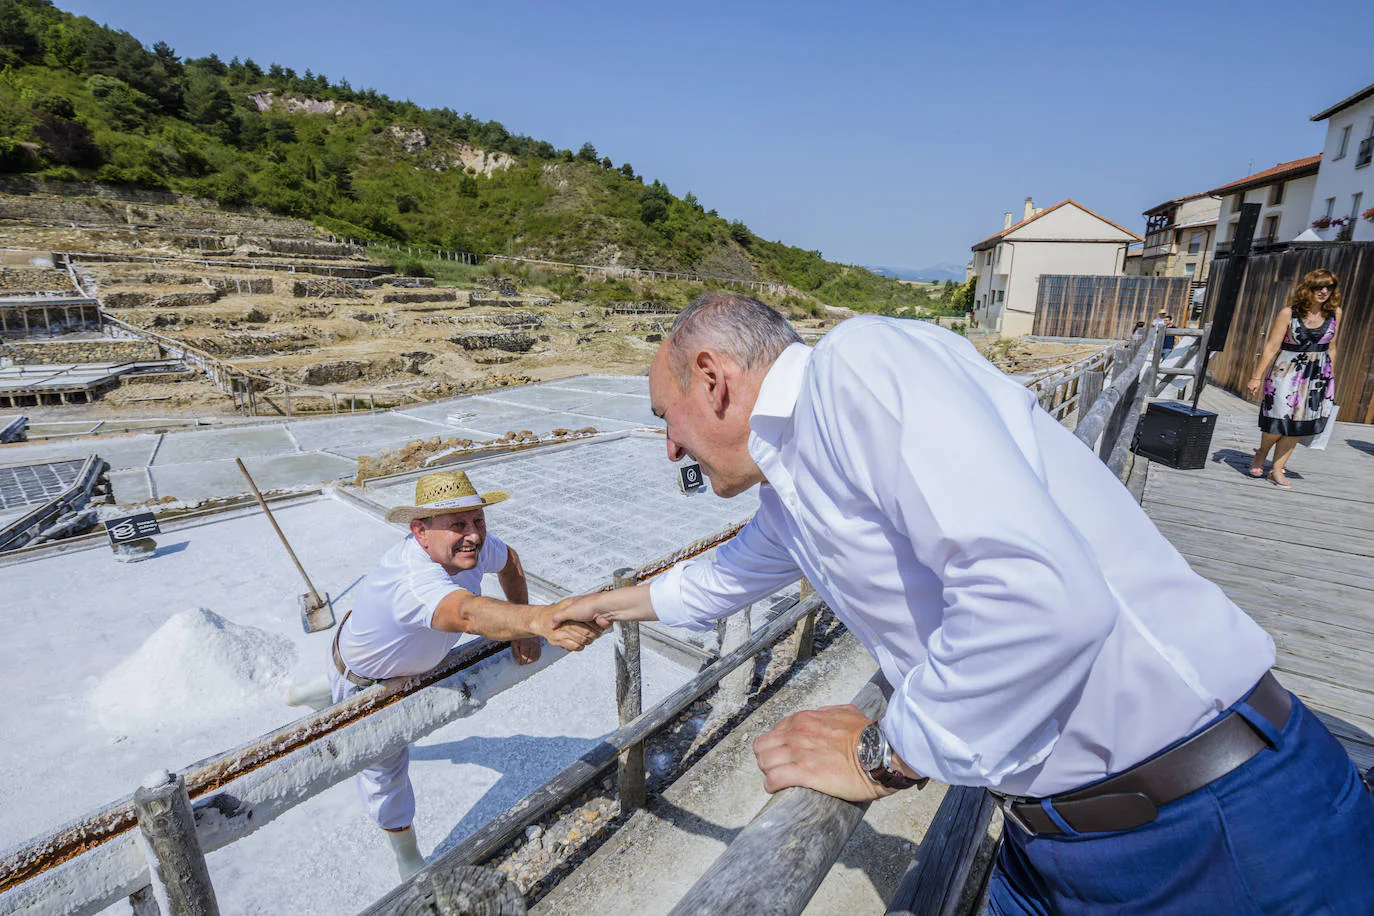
(79, 101)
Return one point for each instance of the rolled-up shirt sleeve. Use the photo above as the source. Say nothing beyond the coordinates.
(750, 566)
(1025, 608)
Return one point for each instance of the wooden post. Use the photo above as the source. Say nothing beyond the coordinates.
(1090, 392)
(629, 701)
(806, 629)
(174, 854)
(463, 891)
(734, 687)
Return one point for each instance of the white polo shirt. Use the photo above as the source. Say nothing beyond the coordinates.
(389, 632)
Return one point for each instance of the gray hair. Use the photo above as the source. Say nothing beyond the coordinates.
(742, 329)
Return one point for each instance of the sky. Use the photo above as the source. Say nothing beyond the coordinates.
(890, 134)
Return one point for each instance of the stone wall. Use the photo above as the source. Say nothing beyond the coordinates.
(46, 352)
(511, 342)
(434, 295)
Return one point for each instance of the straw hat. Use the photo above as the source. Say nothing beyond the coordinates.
(444, 491)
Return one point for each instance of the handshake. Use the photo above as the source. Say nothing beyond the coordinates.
(574, 623)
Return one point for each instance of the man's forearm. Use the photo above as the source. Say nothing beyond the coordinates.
(623, 604)
(492, 618)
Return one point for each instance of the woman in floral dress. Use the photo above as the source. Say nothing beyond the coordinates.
(1297, 372)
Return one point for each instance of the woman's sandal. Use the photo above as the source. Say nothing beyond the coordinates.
(1256, 464)
(1280, 479)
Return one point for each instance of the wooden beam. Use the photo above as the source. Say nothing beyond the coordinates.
(775, 864)
(936, 881)
(629, 702)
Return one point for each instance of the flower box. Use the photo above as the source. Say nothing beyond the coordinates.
(1369, 214)
(1321, 222)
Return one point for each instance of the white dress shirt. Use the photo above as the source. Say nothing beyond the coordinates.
(389, 632)
(1039, 632)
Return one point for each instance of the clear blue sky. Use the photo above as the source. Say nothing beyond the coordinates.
(879, 133)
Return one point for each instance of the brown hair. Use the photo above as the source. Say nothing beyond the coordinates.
(1304, 297)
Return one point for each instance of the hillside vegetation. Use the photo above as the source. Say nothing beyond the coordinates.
(79, 101)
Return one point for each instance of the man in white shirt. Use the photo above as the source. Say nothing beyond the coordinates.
(416, 605)
(1043, 639)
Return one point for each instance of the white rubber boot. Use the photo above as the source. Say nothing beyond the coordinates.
(408, 858)
(316, 694)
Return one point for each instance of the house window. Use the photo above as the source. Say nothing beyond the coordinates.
(1238, 202)
(1355, 200)
(1189, 269)
(1001, 295)
(1344, 145)
(1330, 207)
(1271, 228)
(1195, 243)
(1276, 195)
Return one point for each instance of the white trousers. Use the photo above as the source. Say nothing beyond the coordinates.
(385, 786)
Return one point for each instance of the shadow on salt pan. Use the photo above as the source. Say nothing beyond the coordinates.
(196, 668)
(525, 763)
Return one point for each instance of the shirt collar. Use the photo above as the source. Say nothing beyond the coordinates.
(781, 386)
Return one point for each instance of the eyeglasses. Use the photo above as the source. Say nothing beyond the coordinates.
(1326, 286)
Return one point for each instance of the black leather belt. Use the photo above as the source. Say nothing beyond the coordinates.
(1133, 797)
(339, 662)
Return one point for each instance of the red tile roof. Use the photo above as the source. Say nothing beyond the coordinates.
(1281, 172)
(992, 239)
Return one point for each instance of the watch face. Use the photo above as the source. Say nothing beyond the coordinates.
(871, 748)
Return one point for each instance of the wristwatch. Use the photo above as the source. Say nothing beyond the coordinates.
(875, 756)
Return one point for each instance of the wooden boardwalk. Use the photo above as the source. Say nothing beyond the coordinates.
(1300, 561)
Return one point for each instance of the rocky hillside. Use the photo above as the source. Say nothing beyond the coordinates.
(82, 102)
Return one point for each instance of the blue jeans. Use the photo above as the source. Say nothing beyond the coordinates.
(1290, 831)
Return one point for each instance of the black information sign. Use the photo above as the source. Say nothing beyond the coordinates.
(131, 528)
(689, 478)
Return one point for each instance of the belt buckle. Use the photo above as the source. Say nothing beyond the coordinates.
(1009, 813)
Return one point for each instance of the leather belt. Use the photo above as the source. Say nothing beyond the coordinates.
(1133, 797)
(339, 662)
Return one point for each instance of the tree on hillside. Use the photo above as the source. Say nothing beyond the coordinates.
(587, 153)
(209, 106)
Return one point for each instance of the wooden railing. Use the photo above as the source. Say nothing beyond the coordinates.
(234, 793)
(1061, 390)
(1104, 427)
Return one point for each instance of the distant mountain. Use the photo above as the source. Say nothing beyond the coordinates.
(939, 272)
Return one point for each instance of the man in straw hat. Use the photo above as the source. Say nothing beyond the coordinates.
(1042, 638)
(415, 606)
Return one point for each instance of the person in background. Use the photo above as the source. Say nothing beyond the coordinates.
(1295, 376)
(1169, 339)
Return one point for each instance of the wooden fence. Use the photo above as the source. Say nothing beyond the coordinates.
(1105, 308)
(1266, 283)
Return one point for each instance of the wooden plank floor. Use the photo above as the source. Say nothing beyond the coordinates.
(1300, 561)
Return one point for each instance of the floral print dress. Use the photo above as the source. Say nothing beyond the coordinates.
(1300, 389)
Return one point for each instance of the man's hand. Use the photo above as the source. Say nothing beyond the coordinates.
(573, 636)
(605, 608)
(819, 749)
(525, 650)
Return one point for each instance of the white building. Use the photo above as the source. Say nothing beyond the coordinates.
(1284, 194)
(1344, 189)
(1067, 238)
